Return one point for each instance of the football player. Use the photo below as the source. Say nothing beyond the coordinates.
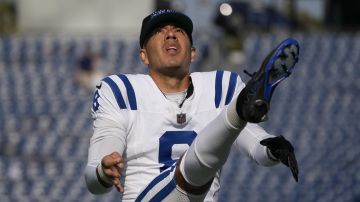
(164, 136)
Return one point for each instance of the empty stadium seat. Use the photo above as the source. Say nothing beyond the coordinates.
(45, 122)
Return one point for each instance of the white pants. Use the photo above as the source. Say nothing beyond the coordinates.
(164, 188)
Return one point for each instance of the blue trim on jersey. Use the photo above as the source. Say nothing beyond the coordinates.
(116, 91)
(130, 92)
(154, 182)
(218, 87)
(231, 89)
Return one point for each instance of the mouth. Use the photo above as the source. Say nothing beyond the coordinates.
(171, 49)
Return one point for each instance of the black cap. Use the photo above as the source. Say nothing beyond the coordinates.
(160, 17)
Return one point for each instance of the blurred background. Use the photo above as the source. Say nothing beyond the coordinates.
(53, 52)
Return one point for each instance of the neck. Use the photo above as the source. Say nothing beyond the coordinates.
(170, 84)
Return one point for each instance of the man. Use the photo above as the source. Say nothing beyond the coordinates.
(165, 136)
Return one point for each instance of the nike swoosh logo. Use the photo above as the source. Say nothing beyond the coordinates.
(99, 86)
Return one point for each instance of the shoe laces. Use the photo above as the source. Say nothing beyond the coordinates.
(249, 74)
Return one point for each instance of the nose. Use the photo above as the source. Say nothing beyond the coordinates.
(170, 34)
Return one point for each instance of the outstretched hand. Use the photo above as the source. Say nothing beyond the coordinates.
(282, 149)
(112, 165)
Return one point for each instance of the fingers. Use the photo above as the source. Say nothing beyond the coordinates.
(115, 173)
(274, 142)
(112, 165)
(289, 159)
(118, 185)
(266, 142)
(114, 159)
(116, 180)
(293, 166)
(118, 160)
(112, 172)
(109, 162)
(284, 151)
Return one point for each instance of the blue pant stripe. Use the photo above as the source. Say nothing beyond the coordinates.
(165, 191)
(153, 183)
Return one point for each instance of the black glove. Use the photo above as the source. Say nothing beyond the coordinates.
(283, 151)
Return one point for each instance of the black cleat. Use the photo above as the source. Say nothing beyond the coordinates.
(254, 100)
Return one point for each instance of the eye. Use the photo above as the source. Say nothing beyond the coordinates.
(180, 30)
(157, 30)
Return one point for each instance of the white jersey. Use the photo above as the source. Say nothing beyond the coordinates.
(133, 117)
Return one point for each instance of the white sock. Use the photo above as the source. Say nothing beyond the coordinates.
(233, 117)
(210, 149)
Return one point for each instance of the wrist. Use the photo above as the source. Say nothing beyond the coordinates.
(102, 177)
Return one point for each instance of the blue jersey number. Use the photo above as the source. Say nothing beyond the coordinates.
(95, 101)
(168, 140)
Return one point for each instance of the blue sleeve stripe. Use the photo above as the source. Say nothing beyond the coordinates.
(218, 87)
(231, 89)
(116, 91)
(154, 182)
(130, 92)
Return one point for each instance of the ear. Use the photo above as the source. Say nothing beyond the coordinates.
(143, 56)
(193, 54)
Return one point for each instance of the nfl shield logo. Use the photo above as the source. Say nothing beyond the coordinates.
(181, 118)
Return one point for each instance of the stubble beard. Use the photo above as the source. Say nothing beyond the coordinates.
(175, 71)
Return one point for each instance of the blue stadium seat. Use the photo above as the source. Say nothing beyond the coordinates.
(45, 121)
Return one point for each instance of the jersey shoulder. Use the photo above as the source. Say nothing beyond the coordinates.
(218, 87)
(130, 91)
(120, 88)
